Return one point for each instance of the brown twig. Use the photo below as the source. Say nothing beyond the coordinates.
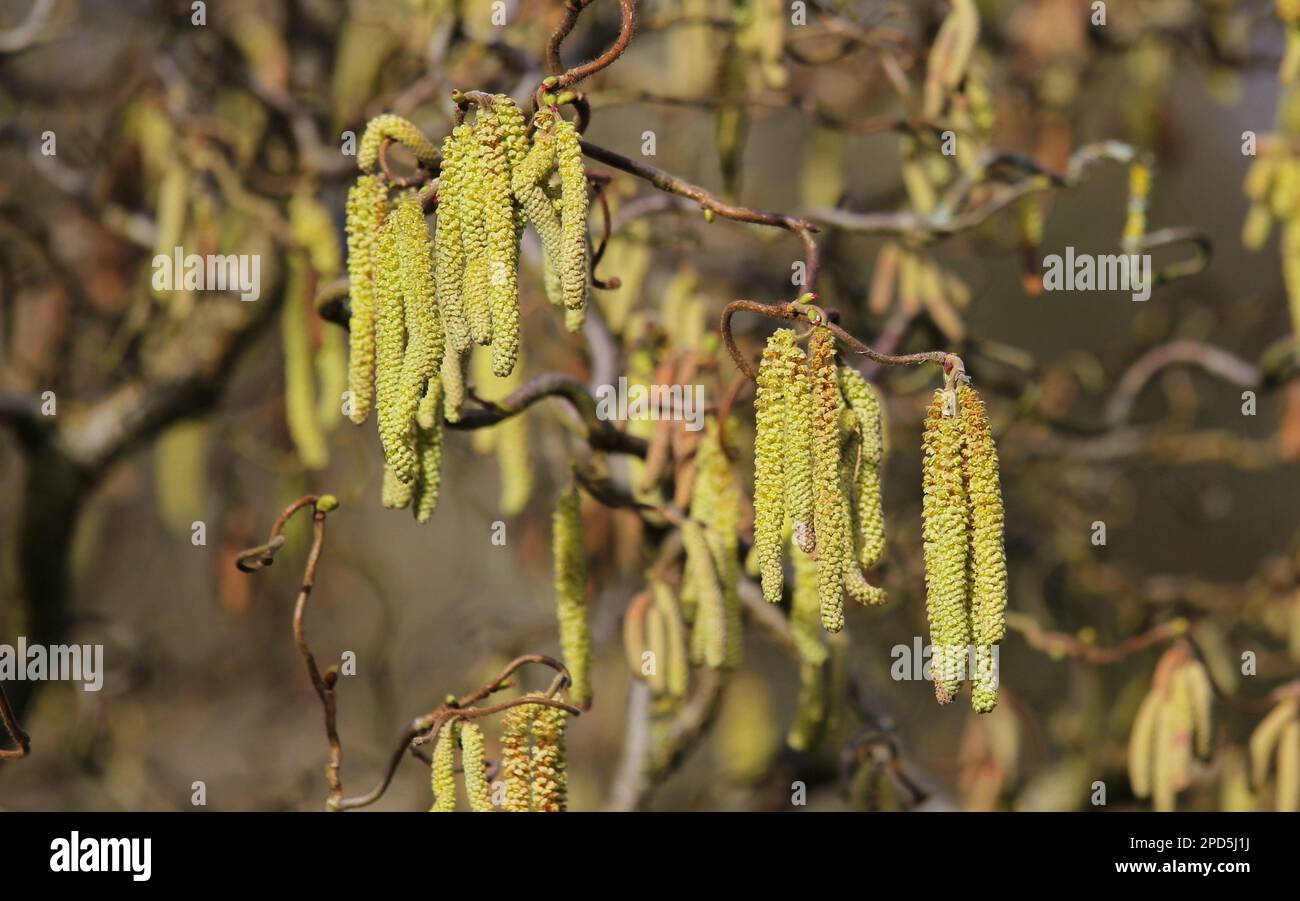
(1060, 644)
(20, 738)
(560, 79)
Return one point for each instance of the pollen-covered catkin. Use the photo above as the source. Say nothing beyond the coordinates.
(428, 445)
(571, 594)
(770, 413)
(799, 493)
(422, 358)
(444, 768)
(549, 782)
(493, 131)
(476, 298)
(366, 207)
(516, 758)
(573, 215)
(395, 128)
(390, 347)
(449, 253)
(946, 534)
(715, 502)
(396, 494)
(526, 183)
(869, 519)
(453, 382)
(473, 764)
(827, 514)
(855, 583)
(988, 560)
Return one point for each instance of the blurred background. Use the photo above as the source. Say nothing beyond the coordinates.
(171, 405)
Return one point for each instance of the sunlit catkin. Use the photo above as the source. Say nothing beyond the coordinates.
(827, 513)
(449, 253)
(549, 781)
(394, 128)
(527, 181)
(494, 131)
(573, 215)
(390, 346)
(444, 768)
(476, 299)
(428, 445)
(516, 758)
(422, 358)
(770, 413)
(868, 518)
(571, 594)
(946, 533)
(473, 764)
(396, 494)
(799, 493)
(366, 207)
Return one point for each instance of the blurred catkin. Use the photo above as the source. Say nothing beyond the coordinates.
(571, 594)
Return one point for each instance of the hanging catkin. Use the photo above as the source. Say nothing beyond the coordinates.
(549, 783)
(571, 594)
(495, 130)
(449, 253)
(516, 758)
(770, 414)
(366, 208)
(444, 768)
(573, 215)
(946, 534)
(394, 128)
(827, 513)
(473, 764)
(799, 493)
(709, 634)
(390, 346)
(476, 298)
(715, 502)
(527, 184)
(299, 376)
(422, 357)
(868, 516)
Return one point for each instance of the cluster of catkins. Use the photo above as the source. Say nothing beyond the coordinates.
(416, 307)
(532, 762)
(1172, 721)
(965, 559)
(1276, 741)
(817, 457)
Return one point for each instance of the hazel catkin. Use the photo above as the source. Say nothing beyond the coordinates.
(573, 215)
(571, 594)
(827, 514)
(443, 770)
(394, 128)
(770, 414)
(473, 765)
(366, 207)
(549, 779)
(946, 534)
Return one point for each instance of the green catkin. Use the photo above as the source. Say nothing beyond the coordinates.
(390, 347)
(549, 782)
(453, 382)
(571, 594)
(1265, 737)
(526, 183)
(476, 299)
(573, 215)
(299, 378)
(805, 612)
(516, 758)
(868, 515)
(809, 724)
(395, 493)
(855, 583)
(716, 502)
(799, 493)
(473, 764)
(366, 207)
(709, 635)
(1140, 743)
(827, 513)
(449, 252)
(493, 130)
(770, 413)
(946, 533)
(444, 768)
(422, 359)
(391, 127)
(428, 443)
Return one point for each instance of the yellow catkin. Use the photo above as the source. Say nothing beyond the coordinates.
(573, 215)
(453, 382)
(827, 513)
(1141, 743)
(444, 768)
(988, 560)
(299, 376)
(799, 493)
(855, 583)
(869, 520)
(770, 413)
(805, 612)
(366, 208)
(428, 445)
(449, 253)
(474, 766)
(809, 724)
(946, 532)
(395, 128)
(527, 185)
(494, 131)
(549, 782)
(390, 346)
(709, 634)
(984, 679)
(516, 758)
(476, 298)
(1139, 189)
(571, 594)
(422, 357)
(716, 502)
(396, 494)
(1265, 737)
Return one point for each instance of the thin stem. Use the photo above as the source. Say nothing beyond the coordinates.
(573, 8)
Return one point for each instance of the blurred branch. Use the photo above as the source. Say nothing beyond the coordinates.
(20, 739)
